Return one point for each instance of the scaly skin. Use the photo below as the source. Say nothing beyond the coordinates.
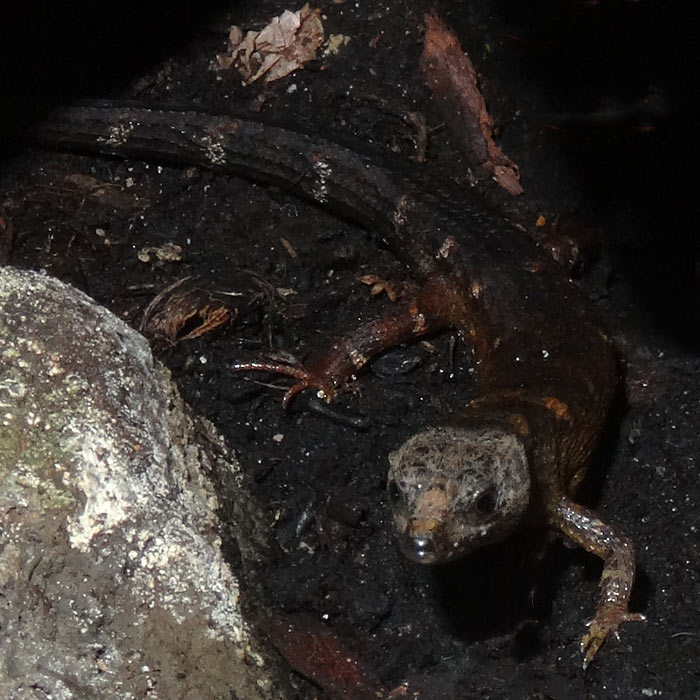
(546, 371)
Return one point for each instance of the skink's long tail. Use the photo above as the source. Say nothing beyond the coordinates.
(308, 166)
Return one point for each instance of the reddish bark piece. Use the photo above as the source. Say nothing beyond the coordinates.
(318, 654)
(453, 81)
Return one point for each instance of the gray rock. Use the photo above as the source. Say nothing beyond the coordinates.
(112, 581)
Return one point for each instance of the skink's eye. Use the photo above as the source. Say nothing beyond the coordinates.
(394, 492)
(486, 503)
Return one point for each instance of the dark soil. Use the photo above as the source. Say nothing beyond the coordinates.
(591, 100)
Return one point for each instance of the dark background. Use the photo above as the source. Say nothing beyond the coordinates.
(596, 104)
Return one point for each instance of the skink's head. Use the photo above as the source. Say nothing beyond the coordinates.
(453, 490)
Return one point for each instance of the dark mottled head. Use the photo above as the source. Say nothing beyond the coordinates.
(453, 490)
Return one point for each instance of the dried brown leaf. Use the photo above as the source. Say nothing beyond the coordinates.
(283, 46)
(180, 313)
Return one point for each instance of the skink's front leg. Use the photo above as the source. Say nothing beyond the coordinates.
(586, 529)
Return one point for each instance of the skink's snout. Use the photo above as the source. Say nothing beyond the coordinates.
(419, 541)
(422, 549)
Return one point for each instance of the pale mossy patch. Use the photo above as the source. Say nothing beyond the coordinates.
(36, 403)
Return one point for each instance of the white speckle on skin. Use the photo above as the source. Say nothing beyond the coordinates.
(118, 134)
(419, 324)
(399, 216)
(323, 172)
(357, 358)
(447, 248)
(214, 150)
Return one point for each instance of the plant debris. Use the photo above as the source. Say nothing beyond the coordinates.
(283, 46)
(378, 285)
(452, 79)
(168, 252)
(335, 43)
(179, 313)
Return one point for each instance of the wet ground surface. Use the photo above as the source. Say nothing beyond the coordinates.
(590, 101)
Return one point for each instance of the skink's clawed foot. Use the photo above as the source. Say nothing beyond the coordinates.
(606, 622)
(307, 378)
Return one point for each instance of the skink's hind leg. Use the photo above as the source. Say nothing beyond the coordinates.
(305, 377)
(586, 529)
